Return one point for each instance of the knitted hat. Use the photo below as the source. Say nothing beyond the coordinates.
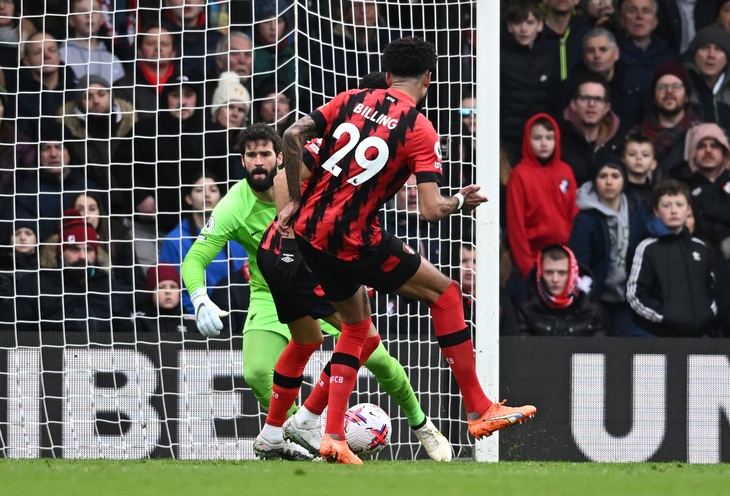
(613, 163)
(76, 230)
(710, 34)
(89, 79)
(675, 69)
(163, 272)
(263, 11)
(229, 90)
(85, 83)
(31, 224)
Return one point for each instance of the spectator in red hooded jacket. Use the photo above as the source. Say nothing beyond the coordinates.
(541, 194)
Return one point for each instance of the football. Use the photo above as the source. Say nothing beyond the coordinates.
(367, 429)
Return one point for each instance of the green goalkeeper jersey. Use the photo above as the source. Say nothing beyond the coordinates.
(241, 217)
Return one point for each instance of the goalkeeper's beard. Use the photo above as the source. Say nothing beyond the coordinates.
(258, 184)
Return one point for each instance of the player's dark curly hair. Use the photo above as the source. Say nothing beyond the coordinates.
(409, 57)
(373, 80)
(260, 132)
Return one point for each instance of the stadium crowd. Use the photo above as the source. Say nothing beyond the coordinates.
(118, 135)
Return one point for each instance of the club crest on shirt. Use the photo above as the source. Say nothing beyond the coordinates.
(726, 187)
(210, 224)
(437, 150)
(408, 249)
(564, 186)
(696, 256)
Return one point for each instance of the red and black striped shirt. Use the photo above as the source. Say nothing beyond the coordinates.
(372, 141)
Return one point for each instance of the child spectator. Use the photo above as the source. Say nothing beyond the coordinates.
(671, 284)
(638, 158)
(541, 194)
(557, 303)
(162, 311)
(17, 264)
(605, 234)
(23, 259)
(84, 51)
(527, 75)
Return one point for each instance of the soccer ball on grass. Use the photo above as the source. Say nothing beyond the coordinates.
(367, 429)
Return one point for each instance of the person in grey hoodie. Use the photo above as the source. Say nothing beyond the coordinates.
(605, 234)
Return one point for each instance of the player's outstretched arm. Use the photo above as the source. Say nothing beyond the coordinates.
(434, 207)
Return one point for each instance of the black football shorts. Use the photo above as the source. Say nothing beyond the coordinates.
(385, 267)
(293, 300)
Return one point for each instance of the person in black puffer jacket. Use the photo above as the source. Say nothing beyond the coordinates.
(671, 287)
(557, 303)
(528, 78)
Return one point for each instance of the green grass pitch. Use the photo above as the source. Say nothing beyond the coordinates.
(375, 478)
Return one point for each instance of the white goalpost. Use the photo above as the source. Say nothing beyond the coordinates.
(115, 386)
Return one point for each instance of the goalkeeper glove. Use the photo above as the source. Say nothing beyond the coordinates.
(289, 259)
(207, 314)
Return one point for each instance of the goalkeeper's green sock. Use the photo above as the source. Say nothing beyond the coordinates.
(393, 379)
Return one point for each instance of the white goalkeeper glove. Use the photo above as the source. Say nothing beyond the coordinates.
(207, 314)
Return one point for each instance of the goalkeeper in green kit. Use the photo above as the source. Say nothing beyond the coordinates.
(243, 215)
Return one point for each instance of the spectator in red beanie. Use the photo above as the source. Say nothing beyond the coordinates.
(163, 308)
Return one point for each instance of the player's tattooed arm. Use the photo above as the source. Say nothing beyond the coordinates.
(295, 137)
(433, 207)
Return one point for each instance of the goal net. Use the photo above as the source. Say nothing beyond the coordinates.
(128, 113)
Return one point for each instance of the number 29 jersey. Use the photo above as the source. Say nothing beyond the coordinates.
(372, 141)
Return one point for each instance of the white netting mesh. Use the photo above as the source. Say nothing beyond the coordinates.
(94, 370)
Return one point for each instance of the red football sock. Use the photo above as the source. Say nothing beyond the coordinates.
(317, 399)
(455, 341)
(345, 364)
(288, 375)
